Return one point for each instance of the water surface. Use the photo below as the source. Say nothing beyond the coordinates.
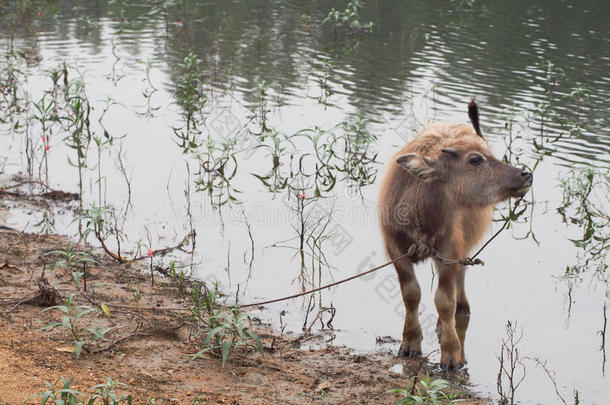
(423, 62)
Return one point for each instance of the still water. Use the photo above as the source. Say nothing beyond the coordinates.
(539, 70)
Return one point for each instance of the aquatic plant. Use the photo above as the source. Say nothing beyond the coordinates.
(278, 146)
(189, 95)
(325, 89)
(348, 20)
(11, 77)
(546, 111)
(79, 138)
(262, 89)
(149, 109)
(217, 167)
(343, 153)
(586, 204)
(45, 115)
(102, 143)
(462, 4)
(511, 371)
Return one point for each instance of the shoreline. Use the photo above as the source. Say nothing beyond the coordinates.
(151, 350)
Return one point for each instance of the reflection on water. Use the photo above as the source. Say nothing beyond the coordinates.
(253, 124)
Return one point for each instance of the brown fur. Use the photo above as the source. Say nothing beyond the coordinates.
(437, 197)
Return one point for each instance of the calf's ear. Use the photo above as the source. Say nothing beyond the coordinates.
(421, 167)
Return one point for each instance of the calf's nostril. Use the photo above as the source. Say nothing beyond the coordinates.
(526, 174)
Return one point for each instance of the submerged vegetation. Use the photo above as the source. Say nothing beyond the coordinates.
(586, 205)
(348, 20)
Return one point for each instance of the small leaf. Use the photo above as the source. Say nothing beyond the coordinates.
(213, 332)
(200, 353)
(66, 349)
(226, 347)
(78, 347)
(106, 310)
(77, 275)
(256, 338)
(60, 307)
(51, 325)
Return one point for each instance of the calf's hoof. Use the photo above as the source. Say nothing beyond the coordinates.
(450, 363)
(409, 351)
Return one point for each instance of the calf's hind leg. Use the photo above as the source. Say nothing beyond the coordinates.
(411, 295)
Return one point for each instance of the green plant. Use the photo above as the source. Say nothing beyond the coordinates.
(584, 204)
(71, 322)
(148, 93)
(277, 145)
(46, 224)
(227, 329)
(70, 259)
(106, 395)
(464, 3)
(64, 396)
(345, 151)
(189, 95)
(79, 138)
(10, 78)
(427, 392)
(348, 19)
(547, 111)
(178, 277)
(218, 166)
(103, 142)
(263, 88)
(356, 161)
(327, 73)
(103, 222)
(45, 115)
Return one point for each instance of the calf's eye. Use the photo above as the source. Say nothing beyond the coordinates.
(476, 160)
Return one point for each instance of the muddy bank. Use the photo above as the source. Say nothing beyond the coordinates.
(150, 349)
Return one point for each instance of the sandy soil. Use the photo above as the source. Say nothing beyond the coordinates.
(149, 350)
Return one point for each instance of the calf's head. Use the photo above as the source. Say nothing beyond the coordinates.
(467, 170)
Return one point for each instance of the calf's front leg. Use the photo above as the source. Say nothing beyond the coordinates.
(445, 300)
(411, 295)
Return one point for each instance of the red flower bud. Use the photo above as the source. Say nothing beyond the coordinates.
(149, 253)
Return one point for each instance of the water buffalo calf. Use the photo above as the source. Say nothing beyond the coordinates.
(437, 199)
